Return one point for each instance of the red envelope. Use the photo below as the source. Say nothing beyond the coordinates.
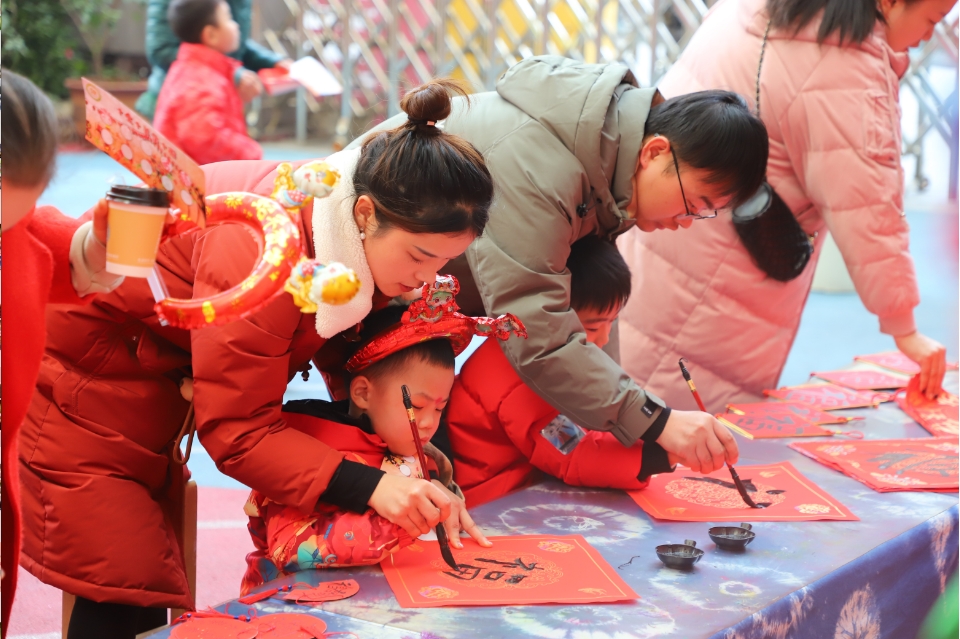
(889, 465)
(688, 496)
(772, 425)
(940, 416)
(864, 379)
(895, 361)
(806, 411)
(828, 396)
(518, 570)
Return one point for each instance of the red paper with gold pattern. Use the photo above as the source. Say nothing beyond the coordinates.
(772, 425)
(864, 379)
(892, 465)
(279, 241)
(895, 361)
(688, 496)
(806, 411)
(516, 571)
(828, 396)
(940, 416)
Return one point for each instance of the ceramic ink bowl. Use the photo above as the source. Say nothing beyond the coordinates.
(679, 556)
(732, 537)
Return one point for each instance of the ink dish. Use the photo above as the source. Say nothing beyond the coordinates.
(679, 556)
(732, 537)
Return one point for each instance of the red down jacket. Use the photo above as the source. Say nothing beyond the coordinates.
(495, 420)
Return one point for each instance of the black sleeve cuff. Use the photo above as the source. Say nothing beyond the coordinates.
(653, 461)
(656, 428)
(352, 486)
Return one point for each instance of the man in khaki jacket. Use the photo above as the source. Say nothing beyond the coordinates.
(578, 149)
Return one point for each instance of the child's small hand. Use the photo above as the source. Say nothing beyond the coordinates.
(249, 85)
(460, 519)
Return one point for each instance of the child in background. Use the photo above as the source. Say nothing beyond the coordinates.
(50, 259)
(502, 432)
(199, 108)
(415, 347)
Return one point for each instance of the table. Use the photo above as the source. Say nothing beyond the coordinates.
(873, 578)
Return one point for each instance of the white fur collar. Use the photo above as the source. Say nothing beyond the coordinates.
(336, 238)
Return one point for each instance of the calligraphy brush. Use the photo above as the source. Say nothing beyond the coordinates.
(733, 471)
(441, 533)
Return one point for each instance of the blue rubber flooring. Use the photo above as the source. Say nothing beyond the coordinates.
(834, 327)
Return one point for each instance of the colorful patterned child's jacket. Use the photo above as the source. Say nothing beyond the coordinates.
(287, 540)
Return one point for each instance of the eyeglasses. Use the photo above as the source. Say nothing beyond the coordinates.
(695, 216)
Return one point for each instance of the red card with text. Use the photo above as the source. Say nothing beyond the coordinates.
(688, 496)
(772, 425)
(828, 396)
(516, 571)
(895, 361)
(888, 465)
(864, 379)
(940, 416)
(806, 411)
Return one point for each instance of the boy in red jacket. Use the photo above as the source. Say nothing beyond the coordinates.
(199, 108)
(503, 433)
(414, 347)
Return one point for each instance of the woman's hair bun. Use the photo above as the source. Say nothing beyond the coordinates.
(431, 102)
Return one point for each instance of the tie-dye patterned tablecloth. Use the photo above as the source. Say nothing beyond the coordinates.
(875, 578)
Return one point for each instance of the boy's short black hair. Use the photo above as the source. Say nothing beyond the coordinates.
(438, 352)
(188, 18)
(715, 131)
(599, 276)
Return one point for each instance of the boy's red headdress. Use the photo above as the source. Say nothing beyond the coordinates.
(434, 316)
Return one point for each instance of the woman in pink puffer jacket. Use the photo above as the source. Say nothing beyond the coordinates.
(833, 117)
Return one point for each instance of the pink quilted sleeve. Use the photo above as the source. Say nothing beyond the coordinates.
(843, 136)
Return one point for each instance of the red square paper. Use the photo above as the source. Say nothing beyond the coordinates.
(828, 396)
(940, 416)
(772, 425)
(517, 570)
(895, 361)
(688, 496)
(806, 411)
(864, 379)
(887, 465)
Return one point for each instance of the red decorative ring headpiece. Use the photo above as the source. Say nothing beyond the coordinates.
(434, 316)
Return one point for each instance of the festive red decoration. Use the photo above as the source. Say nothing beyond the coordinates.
(940, 416)
(772, 425)
(291, 625)
(326, 591)
(895, 361)
(688, 496)
(435, 316)
(806, 411)
(516, 571)
(828, 396)
(279, 239)
(864, 379)
(888, 465)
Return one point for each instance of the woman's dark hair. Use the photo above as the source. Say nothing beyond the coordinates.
(421, 179)
(716, 132)
(188, 18)
(438, 352)
(29, 132)
(854, 19)
(599, 276)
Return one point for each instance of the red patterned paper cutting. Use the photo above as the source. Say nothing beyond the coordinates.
(517, 570)
(828, 396)
(895, 361)
(889, 465)
(772, 425)
(689, 496)
(805, 411)
(940, 416)
(864, 379)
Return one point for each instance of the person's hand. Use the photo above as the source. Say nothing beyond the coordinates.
(284, 64)
(460, 519)
(249, 85)
(413, 504)
(932, 357)
(698, 440)
(100, 213)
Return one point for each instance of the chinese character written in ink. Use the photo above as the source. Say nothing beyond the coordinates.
(467, 572)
